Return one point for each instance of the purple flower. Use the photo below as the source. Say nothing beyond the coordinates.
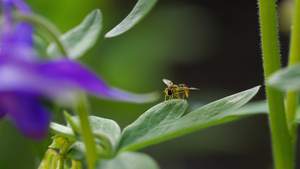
(25, 80)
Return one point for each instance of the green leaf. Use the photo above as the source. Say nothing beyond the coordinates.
(139, 11)
(72, 122)
(105, 127)
(257, 107)
(163, 122)
(128, 160)
(286, 79)
(40, 46)
(62, 130)
(58, 142)
(77, 151)
(81, 38)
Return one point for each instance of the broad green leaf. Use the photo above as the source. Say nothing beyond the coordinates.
(286, 79)
(163, 122)
(81, 38)
(128, 160)
(139, 11)
(257, 107)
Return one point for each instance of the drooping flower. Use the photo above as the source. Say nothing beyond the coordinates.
(25, 79)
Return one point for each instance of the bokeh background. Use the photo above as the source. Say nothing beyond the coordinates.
(213, 45)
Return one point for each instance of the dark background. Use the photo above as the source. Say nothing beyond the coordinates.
(213, 45)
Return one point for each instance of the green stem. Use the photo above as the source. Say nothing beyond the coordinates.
(67, 146)
(47, 26)
(46, 162)
(87, 134)
(283, 152)
(291, 98)
(58, 161)
(76, 164)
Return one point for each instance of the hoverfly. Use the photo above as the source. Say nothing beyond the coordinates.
(175, 90)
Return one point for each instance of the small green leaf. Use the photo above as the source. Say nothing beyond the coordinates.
(163, 122)
(58, 142)
(142, 8)
(128, 160)
(105, 127)
(77, 151)
(72, 122)
(286, 79)
(62, 130)
(81, 38)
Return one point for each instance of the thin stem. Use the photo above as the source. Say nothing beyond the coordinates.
(46, 25)
(67, 146)
(291, 98)
(87, 134)
(283, 152)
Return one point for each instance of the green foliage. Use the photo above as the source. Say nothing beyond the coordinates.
(62, 130)
(77, 151)
(40, 46)
(58, 142)
(160, 123)
(102, 128)
(81, 38)
(129, 160)
(286, 79)
(163, 122)
(139, 11)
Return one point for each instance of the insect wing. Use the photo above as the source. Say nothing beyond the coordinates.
(168, 82)
(192, 88)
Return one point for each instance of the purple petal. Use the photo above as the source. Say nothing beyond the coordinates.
(26, 77)
(70, 74)
(53, 79)
(22, 6)
(16, 40)
(1, 113)
(27, 113)
(73, 75)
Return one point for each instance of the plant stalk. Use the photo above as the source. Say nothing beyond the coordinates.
(291, 97)
(87, 134)
(47, 26)
(283, 149)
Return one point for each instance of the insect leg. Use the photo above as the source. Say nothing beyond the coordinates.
(171, 99)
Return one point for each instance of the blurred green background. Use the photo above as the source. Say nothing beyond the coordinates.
(213, 45)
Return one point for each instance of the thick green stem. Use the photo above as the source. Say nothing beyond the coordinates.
(283, 152)
(47, 26)
(58, 161)
(87, 134)
(291, 98)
